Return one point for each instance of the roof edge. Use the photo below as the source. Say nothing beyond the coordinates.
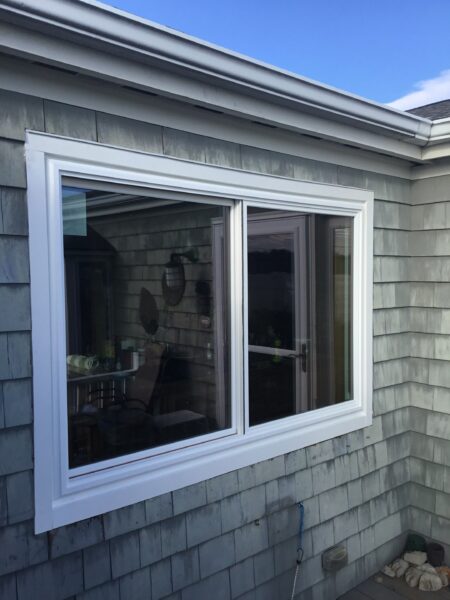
(133, 35)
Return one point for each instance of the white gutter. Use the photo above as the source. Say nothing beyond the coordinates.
(128, 38)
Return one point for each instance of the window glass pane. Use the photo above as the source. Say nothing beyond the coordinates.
(271, 290)
(147, 322)
(299, 312)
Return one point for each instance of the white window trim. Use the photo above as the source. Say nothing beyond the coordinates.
(60, 499)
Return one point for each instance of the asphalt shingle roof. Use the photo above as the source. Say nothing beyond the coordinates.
(434, 111)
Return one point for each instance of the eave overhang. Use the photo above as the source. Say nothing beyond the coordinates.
(90, 38)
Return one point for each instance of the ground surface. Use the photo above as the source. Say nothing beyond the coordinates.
(381, 587)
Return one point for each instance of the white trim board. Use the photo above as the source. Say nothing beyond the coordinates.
(62, 498)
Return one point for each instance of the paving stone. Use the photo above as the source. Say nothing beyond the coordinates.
(185, 569)
(242, 508)
(188, 498)
(217, 586)
(125, 554)
(17, 398)
(96, 565)
(173, 535)
(242, 578)
(161, 579)
(16, 450)
(217, 554)
(203, 524)
(20, 492)
(15, 302)
(70, 121)
(136, 585)
(12, 164)
(54, 580)
(137, 135)
(251, 539)
(124, 520)
(14, 262)
(150, 544)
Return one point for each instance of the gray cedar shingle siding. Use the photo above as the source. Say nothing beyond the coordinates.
(235, 534)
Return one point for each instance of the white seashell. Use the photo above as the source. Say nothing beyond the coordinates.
(427, 568)
(430, 582)
(387, 570)
(412, 576)
(399, 567)
(415, 558)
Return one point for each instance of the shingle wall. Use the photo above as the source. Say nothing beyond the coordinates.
(430, 352)
(232, 536)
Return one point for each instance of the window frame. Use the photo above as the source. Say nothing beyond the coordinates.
(62, 498)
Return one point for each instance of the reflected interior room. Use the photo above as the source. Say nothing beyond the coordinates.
(142, 326)
(148, 317)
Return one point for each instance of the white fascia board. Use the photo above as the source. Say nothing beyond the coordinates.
(149, 43)
(440, 132)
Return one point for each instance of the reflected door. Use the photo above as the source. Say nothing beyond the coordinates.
(278, 338)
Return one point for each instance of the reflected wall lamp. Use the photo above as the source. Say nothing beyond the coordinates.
(174, 280)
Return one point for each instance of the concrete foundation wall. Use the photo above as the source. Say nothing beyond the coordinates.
(233, 536)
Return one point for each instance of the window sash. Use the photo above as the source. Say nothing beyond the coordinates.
(62, 496)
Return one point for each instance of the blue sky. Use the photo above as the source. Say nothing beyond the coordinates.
(380, 49)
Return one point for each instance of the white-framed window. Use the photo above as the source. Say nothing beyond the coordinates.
(188, 320)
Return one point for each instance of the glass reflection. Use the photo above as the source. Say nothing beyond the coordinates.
(142, 349)
(299, 312)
